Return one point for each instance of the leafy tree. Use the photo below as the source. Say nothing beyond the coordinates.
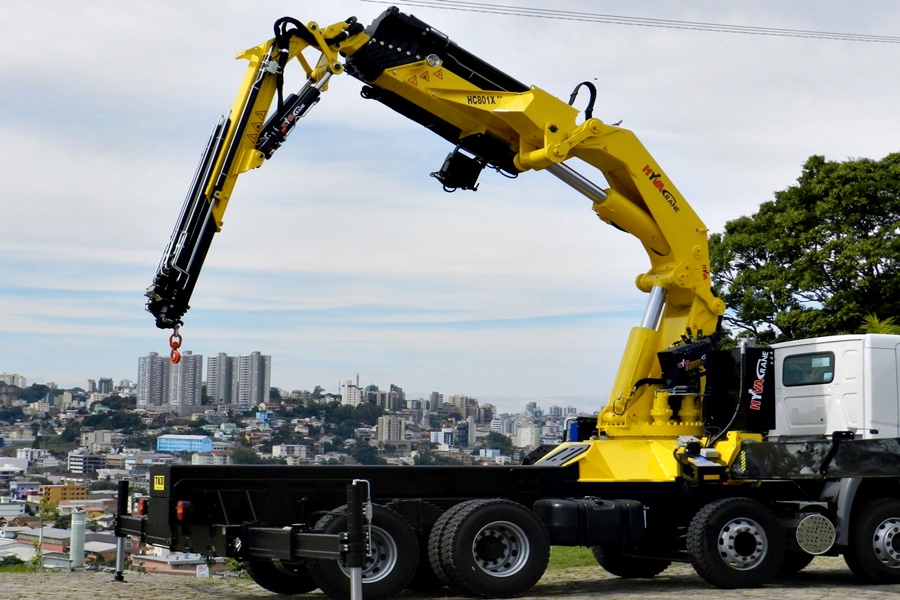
(818, 258)
(72, 432)
(245, 456)
(366, 454)
(11, 414)
(497, 441)
(429, 457)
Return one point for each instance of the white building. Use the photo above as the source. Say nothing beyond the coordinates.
(289, 450)
(37, 458)
(211, 458)
(14, 379)
(351, 394)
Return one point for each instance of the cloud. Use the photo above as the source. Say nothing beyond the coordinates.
(342, 254)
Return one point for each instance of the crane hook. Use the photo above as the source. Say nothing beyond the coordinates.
(175, 344)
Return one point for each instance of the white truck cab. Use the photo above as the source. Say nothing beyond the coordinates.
(838, 383)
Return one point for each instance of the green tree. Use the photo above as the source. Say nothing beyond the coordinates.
(429, 457)
(366, 454)
(245, 456)
(819, 257)
(498, 441)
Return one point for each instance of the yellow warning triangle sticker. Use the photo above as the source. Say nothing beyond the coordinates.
(439, 73)
(252, 137)
(413, 80)
(256, 126)
(424, 76)
(261, 114)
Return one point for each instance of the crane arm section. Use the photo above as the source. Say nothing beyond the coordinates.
(494, 121)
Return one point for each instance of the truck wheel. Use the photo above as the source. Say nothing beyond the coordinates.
(494, 548)
(395, 556)
(874, 552)
(616, 563)
(280, 577)
(434, 546)
(735, 543)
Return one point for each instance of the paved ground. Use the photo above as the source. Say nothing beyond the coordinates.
(825, 579)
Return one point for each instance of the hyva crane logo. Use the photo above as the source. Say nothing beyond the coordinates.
(756, 392)
(656, 179)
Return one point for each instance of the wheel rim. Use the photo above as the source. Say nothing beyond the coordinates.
(743, 544)
(884, 540)
(382, 559)
(500, 549)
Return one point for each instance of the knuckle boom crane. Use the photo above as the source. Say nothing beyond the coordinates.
(694, 443)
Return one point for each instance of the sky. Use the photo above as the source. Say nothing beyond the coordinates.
(341, 257)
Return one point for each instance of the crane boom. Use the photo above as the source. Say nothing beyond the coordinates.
(494, 121)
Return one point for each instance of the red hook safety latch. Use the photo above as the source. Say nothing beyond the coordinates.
(175, 344)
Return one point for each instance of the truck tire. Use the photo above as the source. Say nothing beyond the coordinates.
(390, 568)
(280, 577)
(616, 563)
(435, 539)
(735, 543)
(494, 548)
(874, 551)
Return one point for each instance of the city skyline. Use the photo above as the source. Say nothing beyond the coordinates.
(341, 255)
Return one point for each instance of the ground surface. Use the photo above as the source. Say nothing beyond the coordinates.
(825, 579)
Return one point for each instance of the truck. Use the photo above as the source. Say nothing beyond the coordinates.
(745, 462)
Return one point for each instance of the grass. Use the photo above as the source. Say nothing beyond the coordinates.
(17, 569)
(567, 557)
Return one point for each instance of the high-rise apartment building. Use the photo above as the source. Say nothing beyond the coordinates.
(167, 388)
(239, 381)
(153, 383)
(221, 378)
(186, 385)
(351, 394)
(254, 379)
(105, 385)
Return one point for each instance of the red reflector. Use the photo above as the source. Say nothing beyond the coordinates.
(142, 507)
(183, 510)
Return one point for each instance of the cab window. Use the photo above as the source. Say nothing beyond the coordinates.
(808, 369)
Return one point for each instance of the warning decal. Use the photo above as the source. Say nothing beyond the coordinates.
(413, 80)
(424, 76)
(439, 73)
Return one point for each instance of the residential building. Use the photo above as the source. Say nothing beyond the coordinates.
(211, 458)
(20, 489)
(83, 462)
(99, 441)
(254, 379)
(37, 458)
(435, 400)
(351, 394)
(221, 379)
(289, 450)
(166, 388)
(14, 379)
(62, 493)
(186, 384)
(390, 428)
(153, 383)
(105, 385)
